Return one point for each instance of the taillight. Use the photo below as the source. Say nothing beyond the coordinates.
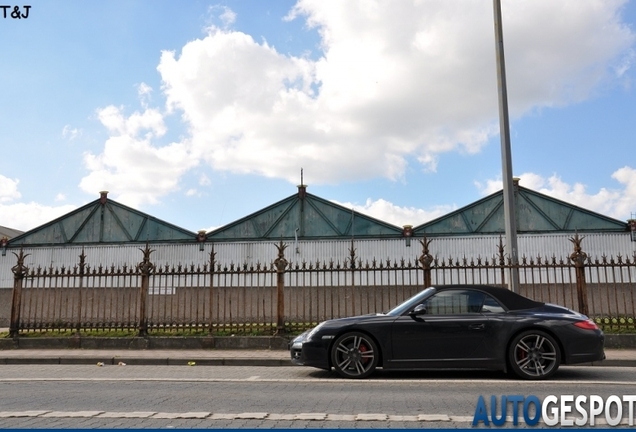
(586, 325)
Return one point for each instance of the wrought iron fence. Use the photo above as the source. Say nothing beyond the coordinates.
(284, 296)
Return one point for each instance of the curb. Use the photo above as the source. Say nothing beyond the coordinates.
(615, 363)
(218, 344)
(620, 341)
(145, 361)
(142, 361)
(612, 341)
(148, 343)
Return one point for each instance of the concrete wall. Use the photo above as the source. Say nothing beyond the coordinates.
(5, 307)
(119, 307)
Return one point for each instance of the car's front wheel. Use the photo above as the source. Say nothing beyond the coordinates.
(354, 355)
(534, 355)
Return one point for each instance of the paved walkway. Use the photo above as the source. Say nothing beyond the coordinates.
(212, 357)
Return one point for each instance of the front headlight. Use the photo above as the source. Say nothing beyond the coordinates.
(313, 331)
(296, 345)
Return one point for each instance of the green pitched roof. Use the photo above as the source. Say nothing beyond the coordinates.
(307, 217)
(535, 212)
(103, 221)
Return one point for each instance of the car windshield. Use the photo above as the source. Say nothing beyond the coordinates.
(409, 304)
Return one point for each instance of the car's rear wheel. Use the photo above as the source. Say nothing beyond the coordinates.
(534, 355)
(354, 355)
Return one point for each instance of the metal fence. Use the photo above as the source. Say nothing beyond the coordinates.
(283, 296)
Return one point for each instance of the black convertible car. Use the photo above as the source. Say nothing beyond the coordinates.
(454, 327)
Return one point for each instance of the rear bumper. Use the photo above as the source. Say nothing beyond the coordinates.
(585, 358)
(586, 348)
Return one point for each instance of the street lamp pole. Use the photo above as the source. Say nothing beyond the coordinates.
(506, 158)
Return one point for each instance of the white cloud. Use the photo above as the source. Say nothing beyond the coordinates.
(227, 17)
(70, 133)
(150, 120)
(392, 82)
(222, 14)
(625, 63)
(617, 203)
(60, 197)
(131, 167)
(144, 91)
(204, 180)
(26, 216)
(396, 215)
(209, 229)
(8, 189)
(625, 206)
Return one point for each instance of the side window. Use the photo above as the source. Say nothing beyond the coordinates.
(491, 306)
(453, 302)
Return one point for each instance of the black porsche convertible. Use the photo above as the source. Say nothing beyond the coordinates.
(454, 327)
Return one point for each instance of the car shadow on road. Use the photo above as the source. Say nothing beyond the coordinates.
(564, 374)
(420, 375)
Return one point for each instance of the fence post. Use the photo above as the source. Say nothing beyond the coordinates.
(145, 268)
(352, 266)
(579, 257)
(212, 264)
(281, 264)
(19, 271)
(425, 260)
(82, 267)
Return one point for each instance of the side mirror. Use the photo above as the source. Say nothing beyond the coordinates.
(420, 309)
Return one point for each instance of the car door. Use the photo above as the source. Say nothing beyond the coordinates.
(452, 329)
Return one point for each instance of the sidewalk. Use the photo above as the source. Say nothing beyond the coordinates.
(203, 357)
(212, 357)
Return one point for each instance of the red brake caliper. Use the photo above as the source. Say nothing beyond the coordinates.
(363, 349)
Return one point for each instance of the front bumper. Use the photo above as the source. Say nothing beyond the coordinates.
(296, 351)
(309, 353)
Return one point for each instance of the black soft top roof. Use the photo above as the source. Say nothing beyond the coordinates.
(509, 299)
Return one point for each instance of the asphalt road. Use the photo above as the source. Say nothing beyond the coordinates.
(89, 396)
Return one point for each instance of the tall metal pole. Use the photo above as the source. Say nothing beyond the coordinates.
(506, 158)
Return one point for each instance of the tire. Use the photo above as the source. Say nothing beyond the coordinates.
(354, 355)
(534, 355)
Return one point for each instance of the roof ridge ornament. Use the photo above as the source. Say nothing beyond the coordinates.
(302, 188)
(103, 197)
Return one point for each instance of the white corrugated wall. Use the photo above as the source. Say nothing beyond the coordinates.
(546, 246)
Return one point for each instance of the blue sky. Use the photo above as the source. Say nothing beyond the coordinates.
(202, 112)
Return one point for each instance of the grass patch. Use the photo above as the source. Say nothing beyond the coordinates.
(177, 331)
(609, 325)
(61, 333)
(616, 325)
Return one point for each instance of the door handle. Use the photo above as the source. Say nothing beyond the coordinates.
(477, 326)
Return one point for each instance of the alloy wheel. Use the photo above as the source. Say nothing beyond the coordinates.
(535, 355)
(354, 355)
